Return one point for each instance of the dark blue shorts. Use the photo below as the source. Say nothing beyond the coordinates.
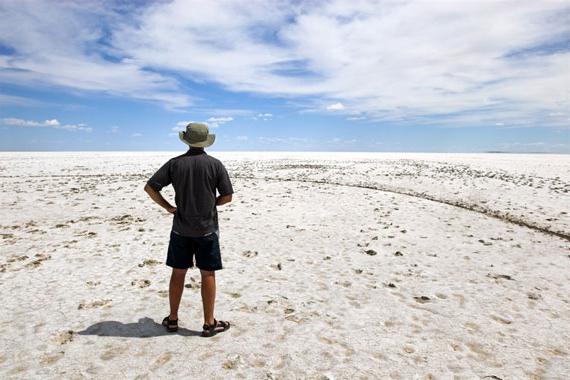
(182, 249)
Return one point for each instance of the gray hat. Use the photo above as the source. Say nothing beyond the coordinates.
(197, 135)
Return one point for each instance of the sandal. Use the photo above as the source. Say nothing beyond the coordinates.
(216, 327)
(170, 324)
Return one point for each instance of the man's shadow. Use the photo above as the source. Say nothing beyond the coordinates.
(144, 328)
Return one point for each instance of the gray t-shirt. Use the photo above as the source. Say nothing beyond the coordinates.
(195, 177)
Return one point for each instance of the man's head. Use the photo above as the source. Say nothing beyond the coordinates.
(197, 136)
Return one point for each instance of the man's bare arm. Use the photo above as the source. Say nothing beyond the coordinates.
(223, 199)
(159, 199)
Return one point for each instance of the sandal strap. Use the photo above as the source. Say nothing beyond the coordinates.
(214, 325)
(223, 324)
(171, 321)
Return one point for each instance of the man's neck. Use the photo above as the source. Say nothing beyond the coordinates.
(194, 150)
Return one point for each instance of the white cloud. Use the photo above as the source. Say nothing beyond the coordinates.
(114, 129)
(423, 62)
(335, 107)
(183, 123)
(458, 62)
(180, 126)
(61, 48)
(212, 122)
(242, 138)
(53, 123)
(220, 119)
(29, 123)
(215, 122)
(136, 134)
(263, 116)
(75, 127)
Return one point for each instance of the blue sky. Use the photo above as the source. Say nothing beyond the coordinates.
(430, 76)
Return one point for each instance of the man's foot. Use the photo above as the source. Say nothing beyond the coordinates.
(216, 327)
(170, 324)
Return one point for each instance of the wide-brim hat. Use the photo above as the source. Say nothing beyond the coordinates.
(197, 135)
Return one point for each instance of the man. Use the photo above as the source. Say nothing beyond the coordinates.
(195, 177)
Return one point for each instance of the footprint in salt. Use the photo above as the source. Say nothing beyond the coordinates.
(193, 284)
(249, 253)
(141, 283)
(92, 284)
(501, 320)
(162, 359)
(422, 299)
(94, 304)
(149, 262)
(112, 352)
(65, 337)
(38, 261)
(51, 358)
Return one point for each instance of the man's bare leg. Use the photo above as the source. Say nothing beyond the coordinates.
(208, 291)
(175, 291)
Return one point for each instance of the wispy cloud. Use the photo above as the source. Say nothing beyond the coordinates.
(181, 125)
(13, 100)
(220, 112)
(455, 61)
(215, 122)
(67, 46)
(338, 106)
(52, 123)
(445, 63)
(337, 140)
(263, 116)
(212, 122)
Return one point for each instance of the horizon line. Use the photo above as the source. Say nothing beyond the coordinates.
(286, 151)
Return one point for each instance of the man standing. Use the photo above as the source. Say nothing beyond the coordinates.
(195, 177)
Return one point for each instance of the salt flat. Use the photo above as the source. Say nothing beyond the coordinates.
(336, 265)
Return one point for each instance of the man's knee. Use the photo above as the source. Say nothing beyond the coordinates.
(207, 273)
(177, 272)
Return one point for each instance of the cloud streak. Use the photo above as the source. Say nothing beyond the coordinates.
(53, 123)
(215, 122)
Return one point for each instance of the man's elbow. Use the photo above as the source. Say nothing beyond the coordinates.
(224, 199)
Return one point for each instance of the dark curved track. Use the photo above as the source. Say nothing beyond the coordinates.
(466, 206)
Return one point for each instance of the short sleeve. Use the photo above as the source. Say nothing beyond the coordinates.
(223, 183)
(161, 178)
